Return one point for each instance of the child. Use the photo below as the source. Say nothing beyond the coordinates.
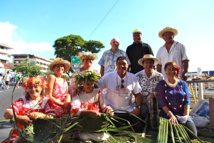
(89, 102)
(30, 107)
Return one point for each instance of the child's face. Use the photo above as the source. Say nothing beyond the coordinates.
(88, 86)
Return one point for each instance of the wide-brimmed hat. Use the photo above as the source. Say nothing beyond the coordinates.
(87, 55)
(148, 56)
(167, 29)
(58, 61)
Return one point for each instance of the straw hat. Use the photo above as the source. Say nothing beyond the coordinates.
(86, 55)
(148, 56)
(60, 61)
(167, 29)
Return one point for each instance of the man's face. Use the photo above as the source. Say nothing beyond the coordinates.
(122, 65)
(168, 36)
(114, 43)
(137, 37)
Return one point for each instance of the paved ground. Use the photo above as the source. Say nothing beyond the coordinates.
(5, 101)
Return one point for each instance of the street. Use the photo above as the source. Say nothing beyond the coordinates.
(5, 101)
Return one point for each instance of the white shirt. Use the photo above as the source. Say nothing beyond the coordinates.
(7, 76)
(176, 54)
(117, 97)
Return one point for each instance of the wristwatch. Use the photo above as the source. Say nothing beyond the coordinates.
(137, 107)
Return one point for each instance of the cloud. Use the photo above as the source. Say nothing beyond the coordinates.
(10, 37)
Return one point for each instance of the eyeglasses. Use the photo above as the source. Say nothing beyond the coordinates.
(122, 86)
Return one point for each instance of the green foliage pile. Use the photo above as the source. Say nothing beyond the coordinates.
(87, 76)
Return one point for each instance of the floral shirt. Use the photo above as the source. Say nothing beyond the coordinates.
(109, 58)
(173, 97)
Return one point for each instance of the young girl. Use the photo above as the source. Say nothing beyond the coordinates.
(28, 106)
(89, 102)
(58, 87)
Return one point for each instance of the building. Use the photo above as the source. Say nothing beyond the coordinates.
(42, 62)
(5, 58)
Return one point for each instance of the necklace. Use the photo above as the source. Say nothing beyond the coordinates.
(122, 88)
(170, 84)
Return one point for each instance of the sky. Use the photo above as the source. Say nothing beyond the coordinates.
(31, 27)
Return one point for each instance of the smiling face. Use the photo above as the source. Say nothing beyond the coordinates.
(87, 61)
(88, 86)
(59, 68)
(171, 71)
(168, 37)
(34, 91)
(137, 37)
(148, 64)
(122, 65)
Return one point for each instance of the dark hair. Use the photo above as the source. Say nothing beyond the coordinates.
(149, 59)
(121, 58)
(177, 68)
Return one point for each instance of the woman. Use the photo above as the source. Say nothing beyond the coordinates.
(30, 107)
(57, 89)
(174, 98)
(86, 62)
(148, 79)
(121, 86)
(89, 102)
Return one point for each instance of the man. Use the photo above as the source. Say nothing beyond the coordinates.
(121, 86)
(7, 79)
(172, 51)
(137, 50)
(108, 60)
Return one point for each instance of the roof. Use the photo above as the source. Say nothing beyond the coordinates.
(33, 56)
(6, 65)
(5, 46)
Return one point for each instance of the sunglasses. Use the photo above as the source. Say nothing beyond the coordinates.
(122, 86)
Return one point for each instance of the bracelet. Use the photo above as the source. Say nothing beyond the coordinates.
(168, 113)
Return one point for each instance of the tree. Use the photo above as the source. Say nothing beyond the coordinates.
(70, 45)
(28, 68)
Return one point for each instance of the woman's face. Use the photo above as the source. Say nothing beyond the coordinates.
(59, 68)
(87, 61)
(171, 71)
(88, 86)
(34, 91)
(148, 64)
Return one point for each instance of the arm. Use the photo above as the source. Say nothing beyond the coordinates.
(136, 111)
(51, 80)
(185, 72)
(24, 120)
(102, 70)
(159, 67)
(172, 118)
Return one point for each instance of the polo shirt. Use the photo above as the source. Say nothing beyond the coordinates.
(135, 52)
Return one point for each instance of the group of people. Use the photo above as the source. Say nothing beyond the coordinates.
(7, 78)
(127, 83)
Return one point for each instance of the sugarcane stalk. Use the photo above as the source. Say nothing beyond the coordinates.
(167, 129)
(190, 132)
(188, 140)
(172, 132)
(177, 134)
(181, 133)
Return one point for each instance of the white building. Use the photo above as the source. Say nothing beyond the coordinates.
(42, 62)
(5, 57)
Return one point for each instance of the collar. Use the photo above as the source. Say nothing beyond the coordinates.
(152, 75)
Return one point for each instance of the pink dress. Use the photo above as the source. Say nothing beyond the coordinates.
(60, 92)
(24, 106)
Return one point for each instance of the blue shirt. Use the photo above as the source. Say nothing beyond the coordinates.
(109, 58)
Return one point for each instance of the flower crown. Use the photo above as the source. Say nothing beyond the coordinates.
(34, 81)
(86, 76)
(86, 55)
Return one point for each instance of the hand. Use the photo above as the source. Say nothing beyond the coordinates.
(136, 111)
(152, 95)
(94, 114)
(24, 120)
(182, 119)
(173, 119)
(110, 112)
(67, 107)
(184, 76)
